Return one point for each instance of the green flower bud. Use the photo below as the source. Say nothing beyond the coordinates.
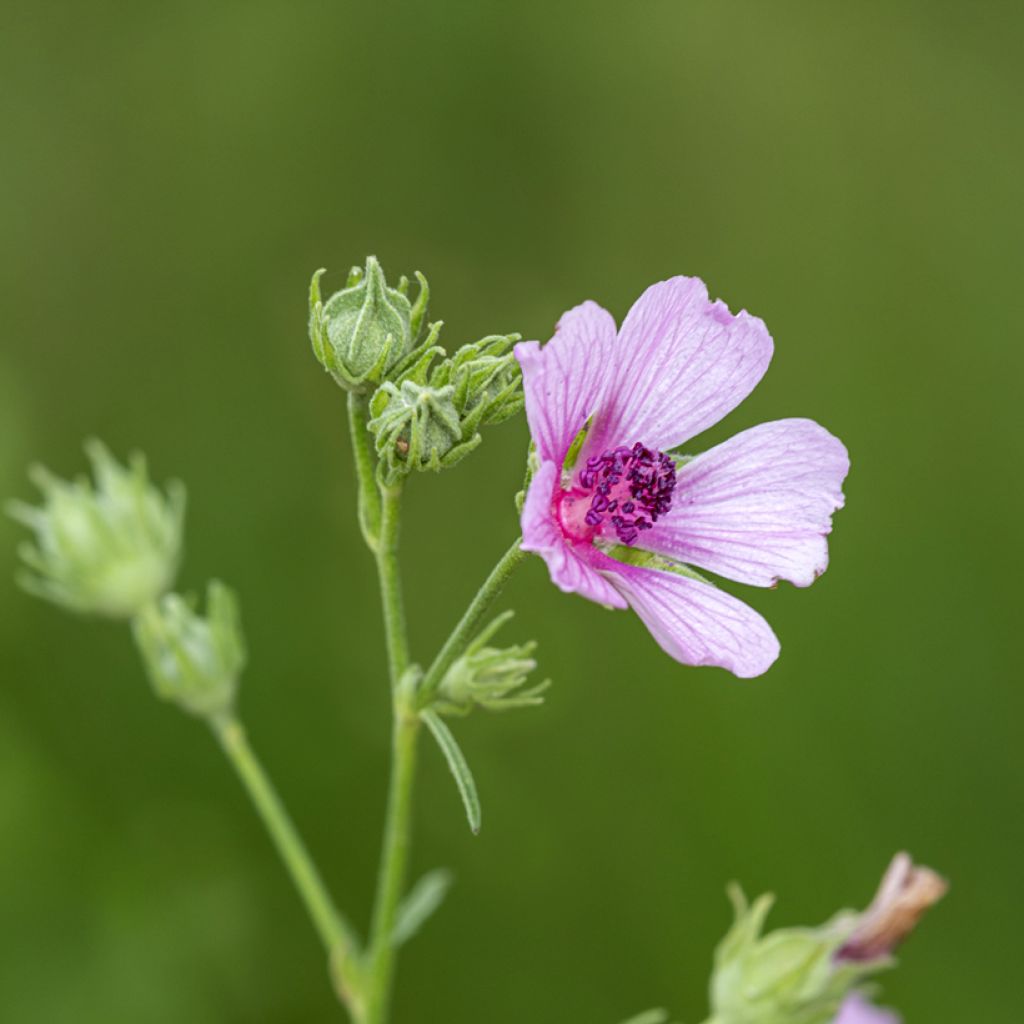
(789, 976)
(490, 677)
(362, 332)
(428, 416)
(105, 548)
(416, 426)
(488, 380)
(192, 660)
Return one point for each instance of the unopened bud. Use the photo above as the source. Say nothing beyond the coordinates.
(789, 976)
(105, 547)
(191, 659)
(428, 416)
(490, 677)
(416, 426)
(363, 331)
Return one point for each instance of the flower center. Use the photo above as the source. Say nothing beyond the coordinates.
(619, 493)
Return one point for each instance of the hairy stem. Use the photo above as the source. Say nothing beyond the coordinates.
(394, 860)
(369, 500)
(405, 728)
(391, 585)
(338, 939)
(463, 634)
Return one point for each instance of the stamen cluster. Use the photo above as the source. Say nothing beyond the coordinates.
(633, 488)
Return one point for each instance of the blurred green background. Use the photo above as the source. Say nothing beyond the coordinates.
(172, 174)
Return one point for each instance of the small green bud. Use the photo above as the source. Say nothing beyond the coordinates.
(789, 976)
(428, 416)
(490, 677)
(416, 426)
(365, 330)
(104, 548)
(488, 380)
(192, 660)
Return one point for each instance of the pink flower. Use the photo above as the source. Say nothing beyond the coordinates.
(755, 509)
(857, 1010)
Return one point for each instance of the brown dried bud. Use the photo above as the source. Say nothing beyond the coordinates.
(906, 892)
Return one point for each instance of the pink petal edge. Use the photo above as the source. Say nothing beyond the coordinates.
(564, 381)
(695, 622)
(681, 363)
(758, 507)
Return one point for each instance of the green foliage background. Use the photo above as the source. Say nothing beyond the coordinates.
(172, 174)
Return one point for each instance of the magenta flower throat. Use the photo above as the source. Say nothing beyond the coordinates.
(755, 509)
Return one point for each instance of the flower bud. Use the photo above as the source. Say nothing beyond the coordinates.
(806, 975)
(191, 659)
(428, 416)
(105, 548)
(490, 677)
(488, 380)
(416, 426)
(789, 976)
(363, 331)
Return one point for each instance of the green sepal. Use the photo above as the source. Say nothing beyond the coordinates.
(649, 560)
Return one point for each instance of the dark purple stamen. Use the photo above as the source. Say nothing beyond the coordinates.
(649, 478)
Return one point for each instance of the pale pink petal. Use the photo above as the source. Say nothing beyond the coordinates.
(681, 363)
(563, 381)
(567, 563)
(758, 507)
(694, 622)
(857, 1010)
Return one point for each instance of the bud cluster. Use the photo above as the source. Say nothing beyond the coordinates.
(429, 415)
(104, 547)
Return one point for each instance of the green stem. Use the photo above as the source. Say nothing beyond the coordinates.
(405, 729)
(362, 454)
(464, 632)
(338, 939)
(390, 584)
(394, 861)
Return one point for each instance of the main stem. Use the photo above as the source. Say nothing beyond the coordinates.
(338, 939)
(394, 862)
(391, 585)
(405, 730)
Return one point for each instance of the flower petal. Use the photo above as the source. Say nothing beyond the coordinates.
(758, 507)
(567, 563)
(564, 380)
(857, 1010)
(681, 363)
(694, 622)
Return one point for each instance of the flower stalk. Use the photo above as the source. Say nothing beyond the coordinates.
(463, 634)
(338, 939)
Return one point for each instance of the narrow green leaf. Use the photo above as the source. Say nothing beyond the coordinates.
(457, 763)
(420, 902)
